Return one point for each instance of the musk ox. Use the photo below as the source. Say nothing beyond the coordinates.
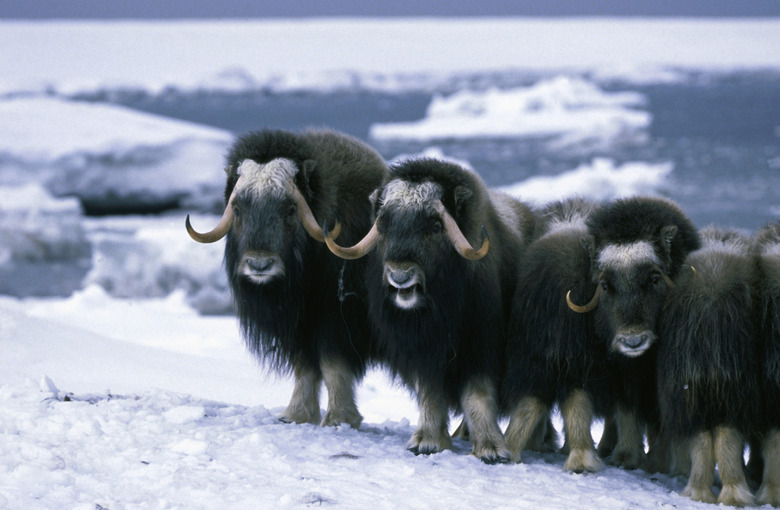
(641, 245)
(548, 346)
(708, 382)
(439, 305)
(300, 308)
(619, 258)
(768, 252)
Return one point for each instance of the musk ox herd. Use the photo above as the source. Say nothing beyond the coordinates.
(493, 310)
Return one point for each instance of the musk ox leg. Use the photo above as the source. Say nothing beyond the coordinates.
(544, 438)
(480, 410)
(658, 451)
(609, 437)
(729, 448)
(630, 448)
(527, 416)
(304, 406)
(577, 411)
(702, 456)
(680, 457)
(769, 492)
(341, 395)
(755, 465)
(432, 434)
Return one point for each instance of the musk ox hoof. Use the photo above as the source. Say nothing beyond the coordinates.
(705, 495)
(735, 495)
(491, 450)
(768, 494)
(626, 459)
(421, 444)
(495, 458)
(583, 460)
(334, 418)
(300, 416)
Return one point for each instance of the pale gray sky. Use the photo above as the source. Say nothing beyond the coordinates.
(167, 9)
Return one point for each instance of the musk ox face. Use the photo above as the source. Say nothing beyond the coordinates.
(415, 238)
(632, 288)
(412, 241)
(266, 230)
(266, 221)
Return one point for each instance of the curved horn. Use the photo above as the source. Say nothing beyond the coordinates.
(219, 231)
(361, 249)
(307, 217)
(584, 308)
(460, 242)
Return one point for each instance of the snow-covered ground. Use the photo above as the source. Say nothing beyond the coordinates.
(145, 404)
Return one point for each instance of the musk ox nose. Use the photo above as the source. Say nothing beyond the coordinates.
(261, 267)
(634, 344)
(401, 278)
(405, 282)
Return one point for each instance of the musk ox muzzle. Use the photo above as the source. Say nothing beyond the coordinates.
(405, 283)
(633, 342)
(261, 267)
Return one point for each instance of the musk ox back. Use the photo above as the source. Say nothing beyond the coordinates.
(300, 308)
(768, 253)
(436, 302)
(707, 367)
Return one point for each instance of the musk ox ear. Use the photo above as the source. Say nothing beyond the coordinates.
(305, 172)
(462, 195)
(589, 245)
(668, 234)
(374, 198)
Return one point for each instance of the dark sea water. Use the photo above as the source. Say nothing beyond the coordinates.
(722, 134)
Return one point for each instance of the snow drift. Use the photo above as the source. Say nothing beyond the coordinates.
(110, 157)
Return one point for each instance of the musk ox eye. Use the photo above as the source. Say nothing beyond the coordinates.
(604, 285)
(236, 211)
(291, 211)
(655, 279)
(436, 228)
